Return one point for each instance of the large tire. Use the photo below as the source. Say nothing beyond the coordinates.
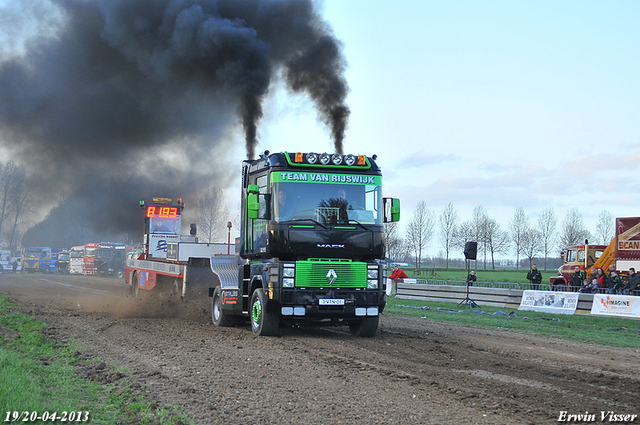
(134, 283)
(136, 287)
(219, 317)
(263, 322)
(364, 327)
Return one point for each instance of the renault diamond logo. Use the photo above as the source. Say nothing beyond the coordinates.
(331, 276)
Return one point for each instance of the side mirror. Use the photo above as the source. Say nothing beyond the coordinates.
(391, 210)
(253, 204)
(192, 229)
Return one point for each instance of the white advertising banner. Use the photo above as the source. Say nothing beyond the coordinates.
(616, 305)
(158, 244)
(549, 301)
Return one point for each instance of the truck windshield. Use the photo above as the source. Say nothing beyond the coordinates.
(167, 225)
(327, 203)
(32, 252)
(103, 253)
(76, 254)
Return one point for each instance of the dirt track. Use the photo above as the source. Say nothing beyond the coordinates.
(412, 372)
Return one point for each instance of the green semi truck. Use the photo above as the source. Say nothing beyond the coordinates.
(311, 245)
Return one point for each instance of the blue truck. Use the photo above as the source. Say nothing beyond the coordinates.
(41, 259)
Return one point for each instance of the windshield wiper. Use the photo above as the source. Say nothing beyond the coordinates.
(360, 224)
(308, 219)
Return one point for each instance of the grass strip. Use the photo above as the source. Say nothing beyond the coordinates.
(40, 375)
(610, 331)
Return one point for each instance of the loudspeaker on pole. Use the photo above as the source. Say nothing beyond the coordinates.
(470, 250)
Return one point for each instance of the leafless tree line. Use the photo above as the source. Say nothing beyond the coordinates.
(542, 239)
(14, 204)
(213, 216)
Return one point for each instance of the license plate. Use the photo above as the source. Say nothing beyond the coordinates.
(326, 301)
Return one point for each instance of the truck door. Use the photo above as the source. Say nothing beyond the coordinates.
(256, 229)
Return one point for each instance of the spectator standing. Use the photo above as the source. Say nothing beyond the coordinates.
(396, 276)
(613, 280)
(632, 280)
(634, 283)
(534, 277)
(578, 279)
(15, 265)
(471, 279)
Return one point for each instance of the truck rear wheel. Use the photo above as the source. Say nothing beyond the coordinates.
(134, 285)
(133, 281)
(364, 327)
(263, 322)
(219, 317)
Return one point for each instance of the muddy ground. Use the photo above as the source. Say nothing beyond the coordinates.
(412, 372)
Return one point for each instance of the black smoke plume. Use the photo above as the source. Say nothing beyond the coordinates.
(118, 88)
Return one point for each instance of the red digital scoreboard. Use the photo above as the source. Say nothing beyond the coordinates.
(162, 211)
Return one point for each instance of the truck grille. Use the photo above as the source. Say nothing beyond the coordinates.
(313, 273)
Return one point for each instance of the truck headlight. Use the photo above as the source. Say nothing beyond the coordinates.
(288, 272)
(288, 282)
(372, 283)
(372, 273)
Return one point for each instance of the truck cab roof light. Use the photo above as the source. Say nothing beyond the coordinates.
(312, 158)
(325, 158)
(336, 159)
(298, 157)
(362, 160)
(350, 159)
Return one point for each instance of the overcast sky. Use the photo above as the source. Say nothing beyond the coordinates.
(503, 104)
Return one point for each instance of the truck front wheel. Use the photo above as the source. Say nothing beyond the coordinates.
(364, 327)
(263, 322)
(218, 316)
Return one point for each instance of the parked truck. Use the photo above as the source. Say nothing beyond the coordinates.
(63, 260)
(311, 245)
(41, 259)
(170, 263)
(6, 261)
(76, 259)
(622, 252)
(110, 259)
(89, 259)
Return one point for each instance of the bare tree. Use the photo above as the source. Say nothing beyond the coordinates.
(393, 242)
(448, 227)
(420, 230)
(519, 227)
(212, 221)
(531, 244)
(8, 174)
(547, 228)
(497, 240)
(479, 224)
(20, 198)
(573, 231)
(606, 227)
(463, 234)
